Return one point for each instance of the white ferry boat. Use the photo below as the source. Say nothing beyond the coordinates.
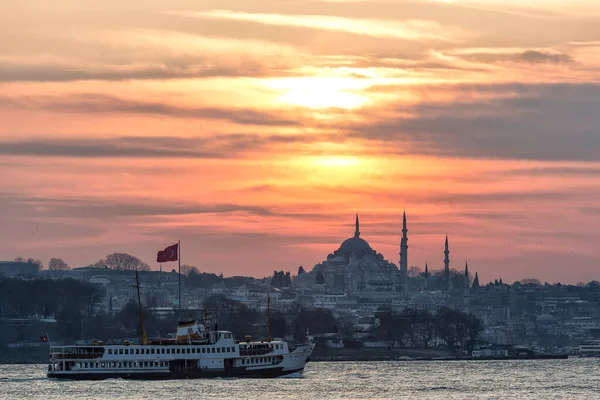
(196, 352)
(590, 349)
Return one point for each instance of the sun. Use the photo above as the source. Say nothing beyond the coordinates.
(336, 161)
(321, 92)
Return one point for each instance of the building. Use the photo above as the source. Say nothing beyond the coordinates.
(355, 267)
(15, 268)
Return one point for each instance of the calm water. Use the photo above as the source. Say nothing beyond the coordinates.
(561, 379)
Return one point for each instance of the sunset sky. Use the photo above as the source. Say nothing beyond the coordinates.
(253, 131)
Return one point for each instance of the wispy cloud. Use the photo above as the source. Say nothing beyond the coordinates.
(222, 146)
(106, 104)
(542, 57)
(36, 72)
(405, 30)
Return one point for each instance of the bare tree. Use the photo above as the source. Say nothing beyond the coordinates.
(414, 271)
(58, 264)
(122, 262)
(188, 270)
(19, 259)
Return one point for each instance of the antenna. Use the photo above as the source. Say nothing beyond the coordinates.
(144, 338)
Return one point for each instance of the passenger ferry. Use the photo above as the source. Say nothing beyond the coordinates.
(590, 349)
(196, 352)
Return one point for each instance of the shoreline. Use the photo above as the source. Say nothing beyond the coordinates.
(376, 359)
(509, 358)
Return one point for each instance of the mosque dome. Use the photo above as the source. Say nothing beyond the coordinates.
(318, 288)
(355, 245)
(545, 319)
(421, 299)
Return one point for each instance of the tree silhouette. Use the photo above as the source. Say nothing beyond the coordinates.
(414, 271)
(189, 270)
(58, 264)
(122, 262)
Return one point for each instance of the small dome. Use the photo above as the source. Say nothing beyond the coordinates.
(545, 318)
(421, 299)
(318, 288)
(339, 259)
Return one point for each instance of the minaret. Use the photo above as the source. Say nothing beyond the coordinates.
(467, 274)
(447, 264)
(357, 231)
(404, 250)
(426, 275)
(476, 281)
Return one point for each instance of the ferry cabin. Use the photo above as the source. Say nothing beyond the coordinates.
(225, 354)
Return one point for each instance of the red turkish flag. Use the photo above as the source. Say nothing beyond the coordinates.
(44, 338)
(168, 254)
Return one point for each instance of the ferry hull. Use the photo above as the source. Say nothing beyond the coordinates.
(151, 376)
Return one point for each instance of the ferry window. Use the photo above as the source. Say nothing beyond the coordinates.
(203, 350)
(218, 349)
(152, 351)
(109, 351)
(120, 351)
(213, 350)
(178, 351)
(193, 351)
(137, 351)
(189, 350)
(162, 351)
(126, 351)
(223, 349)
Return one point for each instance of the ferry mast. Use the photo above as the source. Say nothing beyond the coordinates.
(144, 338)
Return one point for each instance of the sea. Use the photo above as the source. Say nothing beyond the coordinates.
(575, 378)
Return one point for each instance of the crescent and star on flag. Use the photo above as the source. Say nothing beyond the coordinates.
(168, 254)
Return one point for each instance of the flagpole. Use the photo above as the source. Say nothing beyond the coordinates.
(179, 262)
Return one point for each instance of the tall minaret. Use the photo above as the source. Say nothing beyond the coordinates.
(404, 250)
(467, 283)
(426, 275)
(447, 264)
(357, 231)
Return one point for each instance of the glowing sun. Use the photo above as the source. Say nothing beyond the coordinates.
(321, 92)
